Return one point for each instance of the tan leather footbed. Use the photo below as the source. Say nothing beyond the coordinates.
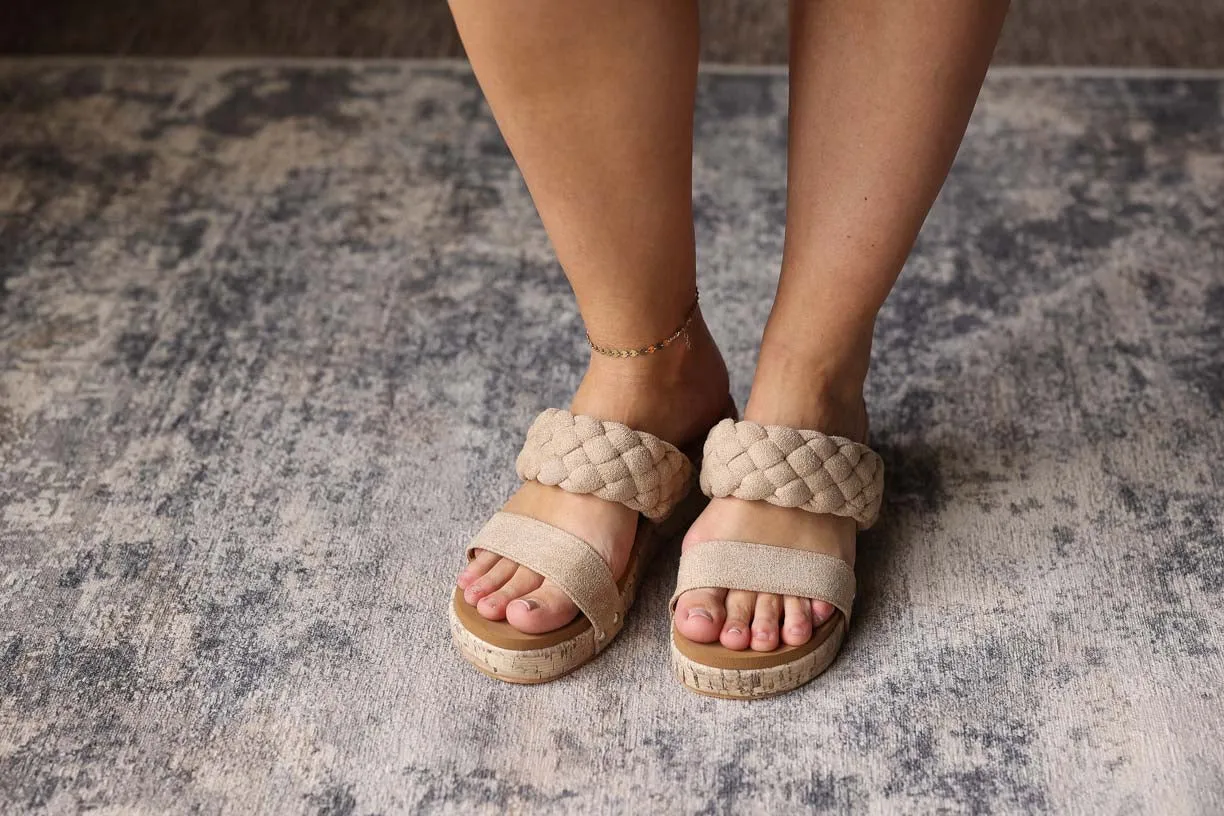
(505, 636)
(720, 657)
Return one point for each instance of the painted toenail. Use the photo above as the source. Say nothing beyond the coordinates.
(698, 612)
(527, 603)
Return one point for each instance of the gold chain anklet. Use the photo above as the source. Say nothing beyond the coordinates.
(683, 331)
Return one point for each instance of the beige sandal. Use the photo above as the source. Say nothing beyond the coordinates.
(579, 454)
(788, 468)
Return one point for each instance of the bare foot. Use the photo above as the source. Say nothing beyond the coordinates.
(677, 395)
(761, 621)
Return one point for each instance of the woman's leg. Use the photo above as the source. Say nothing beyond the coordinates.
(881, 93)
(595, 100)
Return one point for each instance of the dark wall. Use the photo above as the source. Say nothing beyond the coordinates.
(1185, 33)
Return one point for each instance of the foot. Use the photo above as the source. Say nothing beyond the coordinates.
(762, 621)
(677, 395)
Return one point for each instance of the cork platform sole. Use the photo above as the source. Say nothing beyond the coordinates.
(504, 653)
(716, 671)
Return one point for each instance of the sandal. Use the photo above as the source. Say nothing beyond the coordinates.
(787, 468)
(579, 454)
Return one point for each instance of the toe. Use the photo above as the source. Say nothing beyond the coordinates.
(735, 632)
(700, 614)
(796, 620)
(493, 606)
(542, 610)
(821, 611)
(491, 581)
(477, 567)
(765, 622)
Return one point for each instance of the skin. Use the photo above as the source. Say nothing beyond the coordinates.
(595, 101)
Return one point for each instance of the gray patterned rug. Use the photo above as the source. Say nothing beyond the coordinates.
(243, 308)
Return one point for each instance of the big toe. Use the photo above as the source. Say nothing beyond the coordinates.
(700, 614)
(493, 606)
(543, 610)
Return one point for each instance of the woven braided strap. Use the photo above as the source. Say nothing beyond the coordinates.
(793, 468)
(582, 454)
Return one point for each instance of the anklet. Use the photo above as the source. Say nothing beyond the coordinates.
(653, 347)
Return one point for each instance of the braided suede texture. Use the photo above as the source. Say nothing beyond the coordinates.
(793, 468)
(582, 454)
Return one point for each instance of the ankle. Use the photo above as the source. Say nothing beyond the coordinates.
(673, 393)
(806, 388)
(687, 363)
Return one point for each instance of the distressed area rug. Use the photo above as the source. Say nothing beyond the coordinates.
(270, 336)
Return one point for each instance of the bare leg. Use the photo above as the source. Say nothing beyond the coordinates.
(881, 93)
(596, 103)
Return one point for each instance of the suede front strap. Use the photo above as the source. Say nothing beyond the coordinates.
(764, 568)
(582, 454)
(793, 468)
(566, 560)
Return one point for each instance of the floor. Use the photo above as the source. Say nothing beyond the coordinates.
(271, 333)
(1168, 33)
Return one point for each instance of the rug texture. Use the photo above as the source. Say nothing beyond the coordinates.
(270, 338)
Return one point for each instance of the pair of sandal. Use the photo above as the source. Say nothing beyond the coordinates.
(581, 454)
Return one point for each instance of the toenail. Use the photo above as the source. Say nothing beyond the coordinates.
(761, 635)
(528, 603)
(698, 612)
(734, 630)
